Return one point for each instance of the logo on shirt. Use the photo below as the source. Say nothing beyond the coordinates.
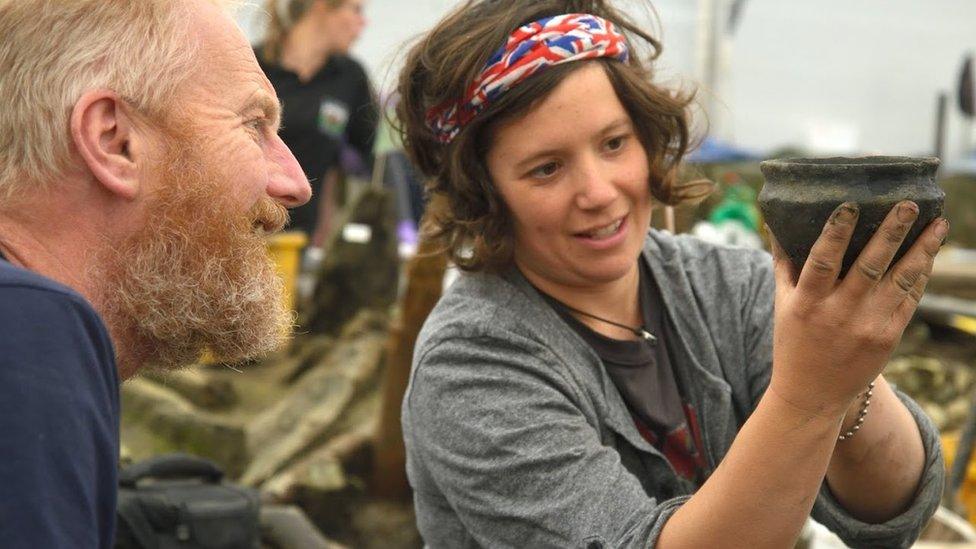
(333, 117)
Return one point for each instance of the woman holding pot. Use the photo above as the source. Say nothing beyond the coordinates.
(327, 98)
(591, 383)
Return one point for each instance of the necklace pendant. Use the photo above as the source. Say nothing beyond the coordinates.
(648, 336)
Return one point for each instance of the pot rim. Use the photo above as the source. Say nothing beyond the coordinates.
(846, 162)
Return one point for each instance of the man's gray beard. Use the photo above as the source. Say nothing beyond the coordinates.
(196, 278)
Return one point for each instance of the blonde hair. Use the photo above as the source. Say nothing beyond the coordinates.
(283, 14)
(52, 51)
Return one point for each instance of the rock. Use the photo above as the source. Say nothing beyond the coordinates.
(366, 321)
(286, 431)
(360, 269)
(312, 350)
(197, 386)
(174, 424)
(321, 473)
(935, 413)
(323, 470)
(942, 387)
(956, 412)
(386, 525)
(960, 209)
(916, 335)
(963, 378)
(310, 412)
(287, 527)
(322, 483)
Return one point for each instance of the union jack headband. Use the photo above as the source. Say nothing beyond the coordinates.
(529, 50)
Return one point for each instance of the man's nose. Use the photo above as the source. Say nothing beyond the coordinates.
(288, 184)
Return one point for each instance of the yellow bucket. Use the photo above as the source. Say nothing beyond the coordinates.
(285, 249)
(967, 492)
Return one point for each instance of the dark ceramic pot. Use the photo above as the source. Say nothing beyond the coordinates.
(801, 193)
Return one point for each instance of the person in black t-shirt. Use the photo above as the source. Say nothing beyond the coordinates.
(327, 98)
(140, 168)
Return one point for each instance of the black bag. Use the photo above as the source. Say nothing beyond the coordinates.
(177, 500)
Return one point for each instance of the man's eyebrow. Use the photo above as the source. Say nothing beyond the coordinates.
(269, 105)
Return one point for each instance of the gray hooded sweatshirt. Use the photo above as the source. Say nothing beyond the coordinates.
(517, 437)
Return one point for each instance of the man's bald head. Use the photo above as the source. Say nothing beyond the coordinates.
(53, 51)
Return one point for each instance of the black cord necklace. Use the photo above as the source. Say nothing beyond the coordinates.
(638, 331)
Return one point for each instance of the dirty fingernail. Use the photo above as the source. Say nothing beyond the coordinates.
(942, 229)
(845, 213)
(907, 211)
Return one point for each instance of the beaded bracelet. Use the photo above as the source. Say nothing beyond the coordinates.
(860, 415)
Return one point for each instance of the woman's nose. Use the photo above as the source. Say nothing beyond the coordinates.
(596, 187)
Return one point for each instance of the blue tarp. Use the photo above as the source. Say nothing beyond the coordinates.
(713, 151)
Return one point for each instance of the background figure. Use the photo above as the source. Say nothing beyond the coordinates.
(326, 95)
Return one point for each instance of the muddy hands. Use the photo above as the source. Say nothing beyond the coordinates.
(833, 336)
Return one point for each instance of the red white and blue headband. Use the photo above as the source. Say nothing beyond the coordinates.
(529, 50)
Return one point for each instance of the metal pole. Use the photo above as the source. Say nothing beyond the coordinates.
(940, 123)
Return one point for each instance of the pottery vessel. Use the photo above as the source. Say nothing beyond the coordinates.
(801, 193)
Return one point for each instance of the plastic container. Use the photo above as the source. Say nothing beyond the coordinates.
(967, 492)
(286, 251)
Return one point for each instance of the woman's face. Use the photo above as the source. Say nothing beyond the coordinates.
(344, 23)
(575, 178)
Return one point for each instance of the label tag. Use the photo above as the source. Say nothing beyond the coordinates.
(357, 233)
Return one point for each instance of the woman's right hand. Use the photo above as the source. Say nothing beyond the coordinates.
(832, 337)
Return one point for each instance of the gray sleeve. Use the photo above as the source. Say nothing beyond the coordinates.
(757, 313)
(506, 442)
(904, 529)
(900, 531)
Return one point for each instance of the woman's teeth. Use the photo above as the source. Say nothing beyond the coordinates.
(604, 232)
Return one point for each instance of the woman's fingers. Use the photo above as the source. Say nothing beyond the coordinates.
(869, 268)
(819, 273)
(903, 286)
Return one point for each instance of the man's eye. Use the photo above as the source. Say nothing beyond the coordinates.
(256, 124)
(545, 170)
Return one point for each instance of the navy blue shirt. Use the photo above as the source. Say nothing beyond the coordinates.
(59, 417)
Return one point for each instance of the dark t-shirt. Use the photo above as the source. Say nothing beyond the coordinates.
(643, 375)
(59, 417)
(335, 106)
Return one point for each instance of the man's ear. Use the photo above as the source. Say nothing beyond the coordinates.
(110, 145)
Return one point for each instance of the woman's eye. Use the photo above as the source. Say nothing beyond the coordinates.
(546, 170)
(616, 143)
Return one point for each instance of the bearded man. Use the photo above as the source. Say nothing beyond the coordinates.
(140, 167)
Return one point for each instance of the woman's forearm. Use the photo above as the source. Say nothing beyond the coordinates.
(762, 492)
(875, 474)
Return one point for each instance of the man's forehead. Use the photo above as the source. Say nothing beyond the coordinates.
(213, 27)
(227, 65)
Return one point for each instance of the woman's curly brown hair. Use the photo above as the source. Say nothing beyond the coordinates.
(465, 214)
